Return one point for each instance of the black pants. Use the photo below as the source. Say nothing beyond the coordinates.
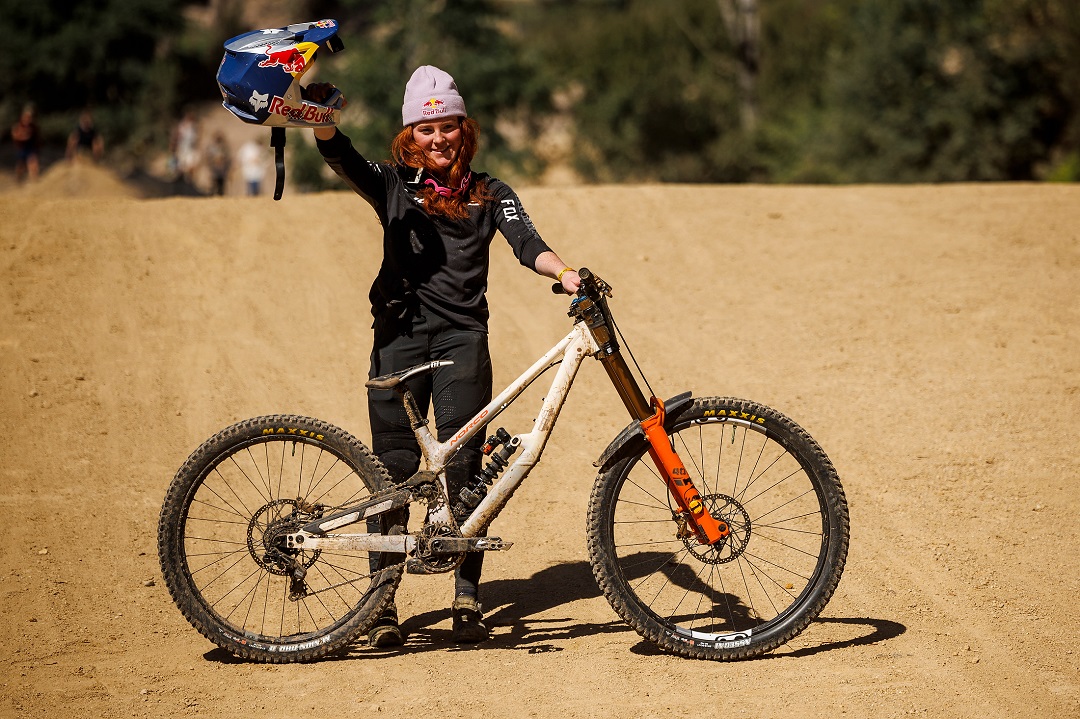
(458, 392)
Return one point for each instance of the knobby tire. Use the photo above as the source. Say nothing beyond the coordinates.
(245, 486)
(772, 483)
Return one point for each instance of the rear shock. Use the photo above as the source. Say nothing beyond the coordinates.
(471, 496)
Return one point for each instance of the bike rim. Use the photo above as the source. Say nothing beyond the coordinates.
(757, 580)
(244, 500)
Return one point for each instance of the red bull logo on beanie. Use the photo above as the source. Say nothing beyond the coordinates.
(432, 107)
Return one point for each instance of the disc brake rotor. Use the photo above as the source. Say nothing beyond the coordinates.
(266, 533)
(726, 509)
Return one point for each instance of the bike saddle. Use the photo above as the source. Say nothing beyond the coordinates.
(389, 381)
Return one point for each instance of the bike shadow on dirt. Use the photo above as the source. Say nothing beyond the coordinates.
(880, 630)
(682, 576)
(521, 614)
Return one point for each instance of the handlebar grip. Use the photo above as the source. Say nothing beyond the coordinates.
(588, 282)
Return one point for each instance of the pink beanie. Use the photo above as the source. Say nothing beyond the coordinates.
(431, 94)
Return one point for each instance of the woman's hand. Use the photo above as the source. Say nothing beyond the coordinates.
(570, 282)
(550, 265)
(320, 92)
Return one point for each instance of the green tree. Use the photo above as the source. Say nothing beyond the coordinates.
(471, 39)
(932, 90)
(129, 60)
(73, 56)
(656, 89)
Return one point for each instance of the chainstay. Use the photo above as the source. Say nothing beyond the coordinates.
(441, 500)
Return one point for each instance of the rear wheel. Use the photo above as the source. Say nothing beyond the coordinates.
(221, 531)
(774, 486)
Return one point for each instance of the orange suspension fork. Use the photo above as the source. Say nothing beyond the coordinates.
(708, 529)
(591, 308)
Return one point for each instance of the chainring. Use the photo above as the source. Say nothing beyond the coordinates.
(438, 563)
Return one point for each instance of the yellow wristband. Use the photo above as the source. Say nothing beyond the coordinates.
(563, 271)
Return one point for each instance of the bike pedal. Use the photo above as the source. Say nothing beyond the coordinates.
(492, 544)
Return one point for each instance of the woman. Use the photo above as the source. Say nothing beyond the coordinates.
(438, 218)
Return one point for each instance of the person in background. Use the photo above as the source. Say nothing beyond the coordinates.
(85, 140)
(439, 216)
(26, 137)
(184, 147)
(218, 162)
(252, 167)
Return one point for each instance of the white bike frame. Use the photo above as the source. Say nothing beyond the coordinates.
(569, 354)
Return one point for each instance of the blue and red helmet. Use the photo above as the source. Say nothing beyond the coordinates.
(259, 76)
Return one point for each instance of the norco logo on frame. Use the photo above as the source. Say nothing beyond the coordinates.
(292, 430)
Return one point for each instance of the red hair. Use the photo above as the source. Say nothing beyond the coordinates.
(405, 151)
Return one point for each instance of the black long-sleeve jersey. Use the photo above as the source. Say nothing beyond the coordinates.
(430, 259)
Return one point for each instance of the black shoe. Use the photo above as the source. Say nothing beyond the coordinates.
(386, 632)
(469, 625)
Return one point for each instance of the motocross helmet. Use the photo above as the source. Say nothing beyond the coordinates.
(259, 76)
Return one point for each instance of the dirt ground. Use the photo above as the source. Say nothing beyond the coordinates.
(927, 336)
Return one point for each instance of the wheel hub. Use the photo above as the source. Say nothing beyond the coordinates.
(266, 537)
(729, 511)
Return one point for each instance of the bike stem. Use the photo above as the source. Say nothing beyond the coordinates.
(649, 413)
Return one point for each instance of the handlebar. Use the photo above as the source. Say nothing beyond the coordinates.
(590, 305)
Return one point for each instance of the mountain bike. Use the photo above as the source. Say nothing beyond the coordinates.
(717, 527)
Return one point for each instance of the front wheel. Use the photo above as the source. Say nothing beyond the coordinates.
(222, 550)
(772, 484)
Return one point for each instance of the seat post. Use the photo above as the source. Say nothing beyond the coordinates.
(407, 399)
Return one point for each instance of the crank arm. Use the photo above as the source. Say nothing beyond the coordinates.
(455, 545)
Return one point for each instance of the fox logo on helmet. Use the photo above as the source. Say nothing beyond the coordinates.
(259, 100)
